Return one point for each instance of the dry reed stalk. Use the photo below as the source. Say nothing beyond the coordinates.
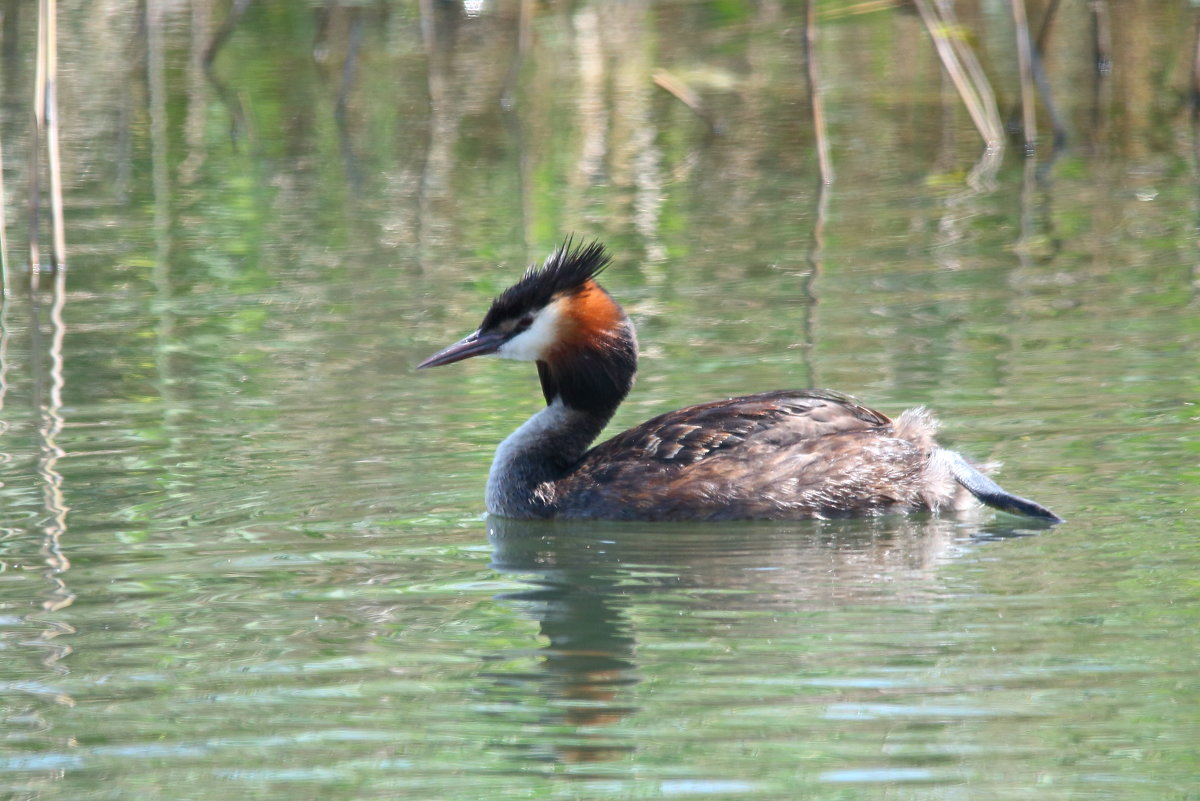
(686, 95)
(824, 160)
(58, 227)
(5, 279)
(45, 113)
(1025, 70)
(965, 72)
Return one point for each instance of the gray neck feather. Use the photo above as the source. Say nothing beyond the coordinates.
(582, 392)
(528, 462)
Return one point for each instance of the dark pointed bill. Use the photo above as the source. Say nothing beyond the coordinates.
(476, 344)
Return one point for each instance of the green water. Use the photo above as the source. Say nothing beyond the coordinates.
(241, 545)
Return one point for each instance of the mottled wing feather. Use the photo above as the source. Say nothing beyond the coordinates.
(778, 454)
(686, 436)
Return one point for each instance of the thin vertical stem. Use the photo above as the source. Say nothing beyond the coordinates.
(157, 89)
(1025, 69)
(197, 94)
(229, 98)
(5, 279)
(5, 295)
(824, 161)
(1101, 37)
(58, 228)
(964, 70)
(1195, 100)
(341, 113)
(35, 153)
(45, 125)
(816, 249)
(1101, 111)
(1195, 88)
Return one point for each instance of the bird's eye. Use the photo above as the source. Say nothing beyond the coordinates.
(523, 323)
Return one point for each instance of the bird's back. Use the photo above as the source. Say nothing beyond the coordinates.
(775, 455)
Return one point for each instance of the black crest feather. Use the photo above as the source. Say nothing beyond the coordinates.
(566, 270)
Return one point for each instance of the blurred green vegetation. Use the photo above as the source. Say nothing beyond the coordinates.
(281, 585)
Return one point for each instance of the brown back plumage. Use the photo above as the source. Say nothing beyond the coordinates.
(774, 455)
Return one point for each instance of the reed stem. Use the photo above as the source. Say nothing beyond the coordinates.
(964, 70)
(45, 128)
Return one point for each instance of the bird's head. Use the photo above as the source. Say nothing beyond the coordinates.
(551, 313)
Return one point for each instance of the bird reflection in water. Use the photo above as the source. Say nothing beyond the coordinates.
(578, 704)
(588, 658)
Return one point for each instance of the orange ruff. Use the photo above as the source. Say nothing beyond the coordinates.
(591, 314)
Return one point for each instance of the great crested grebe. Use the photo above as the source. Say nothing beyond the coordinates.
(775, 455)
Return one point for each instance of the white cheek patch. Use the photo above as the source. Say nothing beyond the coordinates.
(533, 342)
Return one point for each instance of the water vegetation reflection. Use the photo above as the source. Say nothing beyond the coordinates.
(279, 585)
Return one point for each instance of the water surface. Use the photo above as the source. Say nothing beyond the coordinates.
(242, 547)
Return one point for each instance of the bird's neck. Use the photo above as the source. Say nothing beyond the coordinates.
(583, 388)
